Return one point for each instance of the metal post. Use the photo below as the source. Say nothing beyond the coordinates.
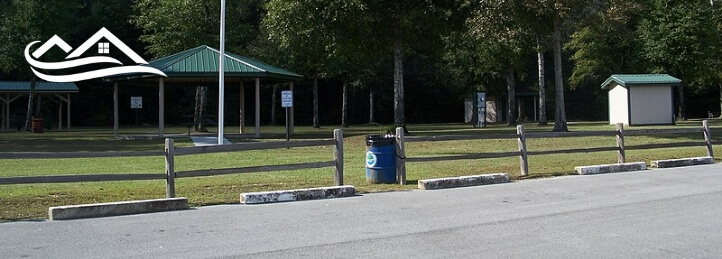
(522, 149)
(161, 107)
(621, 157)
(338, 156)
(221, 73)
(288, 125)
(169, 168)
(292, 111)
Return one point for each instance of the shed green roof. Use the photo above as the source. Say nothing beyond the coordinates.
(641, 79)
(41, 86)
(202, 61)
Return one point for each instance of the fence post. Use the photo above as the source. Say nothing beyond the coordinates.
(707, 137)
(621, 157)
(338, 156)
(522, 148)
(169, 168)
(400, 157)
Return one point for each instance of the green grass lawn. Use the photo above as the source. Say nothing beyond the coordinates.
(31, 201)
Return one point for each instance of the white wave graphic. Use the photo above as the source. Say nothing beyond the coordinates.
(98, 73)
(81, 62)
(66, 64)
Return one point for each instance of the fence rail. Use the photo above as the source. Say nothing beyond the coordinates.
(170, 154)
(522, 136)
(44, 155)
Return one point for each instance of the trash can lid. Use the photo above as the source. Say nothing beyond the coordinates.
(386, 138)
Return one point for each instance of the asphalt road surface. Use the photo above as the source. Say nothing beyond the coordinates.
(661, 213)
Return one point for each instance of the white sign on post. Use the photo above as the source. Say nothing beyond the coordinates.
(136, 102)
(286, 99)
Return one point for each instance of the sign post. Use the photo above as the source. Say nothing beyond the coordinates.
(480, 100)
(136, 103)
(287, 102)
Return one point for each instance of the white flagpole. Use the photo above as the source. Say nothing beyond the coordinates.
(221, 73)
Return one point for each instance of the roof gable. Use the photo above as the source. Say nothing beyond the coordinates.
(627, 80)
(202, 61)
(42, 86)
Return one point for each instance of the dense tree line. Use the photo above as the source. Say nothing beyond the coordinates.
(397, 61)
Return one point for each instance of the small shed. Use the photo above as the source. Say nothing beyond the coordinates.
(645, 99)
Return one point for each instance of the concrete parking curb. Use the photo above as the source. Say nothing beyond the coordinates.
(116, 208)
(463, 181)
(610, 168)
(298, 195)
(682, 162)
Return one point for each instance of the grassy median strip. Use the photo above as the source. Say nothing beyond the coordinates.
(29, 201)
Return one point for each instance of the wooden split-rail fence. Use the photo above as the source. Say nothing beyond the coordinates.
(171, 152)
(523, 153)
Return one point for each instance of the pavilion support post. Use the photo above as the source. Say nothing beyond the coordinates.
(68, 123)
(116, 132)
(9, 101)
(161, 107)
(258, 107)
(3, 113)
(60, 113)
(291, 115)
(242, 126)
(7, 112)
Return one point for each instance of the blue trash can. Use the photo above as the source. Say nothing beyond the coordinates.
(380, 159)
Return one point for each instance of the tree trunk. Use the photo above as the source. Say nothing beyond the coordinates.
(511, 88)
(371, 105)
(682, 105)
(719, 85)
(521, 117)
(31, 98)
(273, 105)
(315, 103)
(38, 103)
(399, 118)
(199, 115)
(542, 91)
(344, 105)
(560, 120)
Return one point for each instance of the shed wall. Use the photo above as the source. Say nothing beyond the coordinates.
(651, 105)
(618, 105)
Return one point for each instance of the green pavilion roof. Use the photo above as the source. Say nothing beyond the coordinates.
(641, 79)
(41, 86)
(202, 61)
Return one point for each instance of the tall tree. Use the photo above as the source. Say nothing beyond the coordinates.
(327, 42)
(502, 40)
(25, 21)
(680, 38)
(408, 24)
(606, 42)
(559, 14)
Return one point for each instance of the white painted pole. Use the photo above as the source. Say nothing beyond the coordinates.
(221, 73)
(258, 107)
(161, 108)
